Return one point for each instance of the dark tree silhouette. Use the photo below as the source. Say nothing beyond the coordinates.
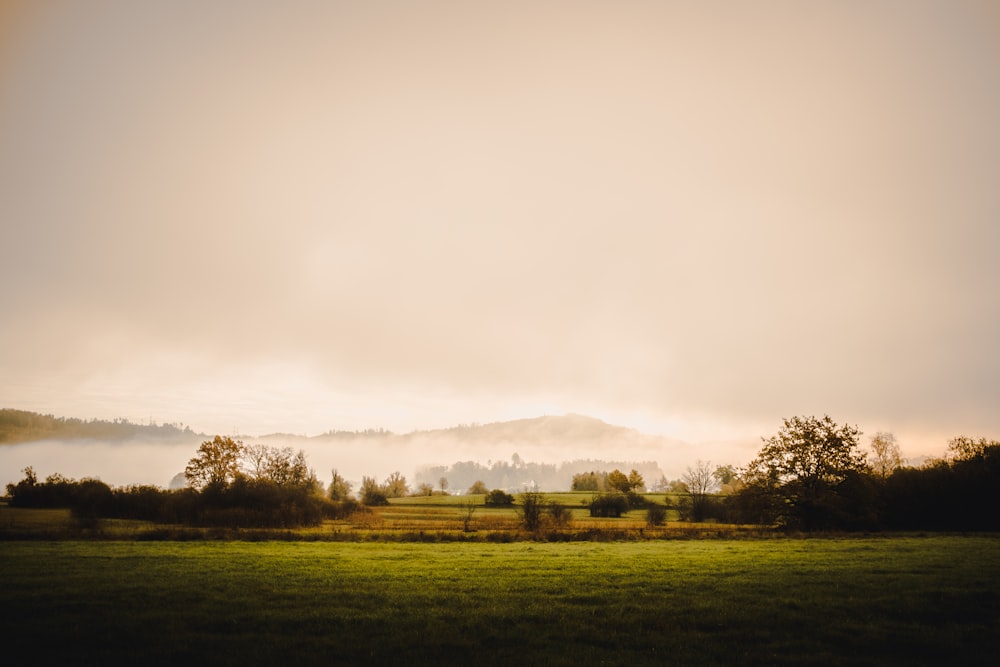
(804, 467)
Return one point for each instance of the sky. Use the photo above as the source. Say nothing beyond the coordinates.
(692, 218)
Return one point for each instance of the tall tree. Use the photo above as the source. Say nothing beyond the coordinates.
(619, 481)
(886, 456)
(340, 488)
(635, 481)
(285, 467)
(700, 483)
(395, 486)
(254, 459)
(217, 462)
(803, 466)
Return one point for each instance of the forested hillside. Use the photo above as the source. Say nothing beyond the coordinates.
(24, 426)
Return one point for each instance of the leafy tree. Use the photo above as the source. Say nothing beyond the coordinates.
(964, 448)
(803, 465)
(340, 488)
(395, 486)
(283, 466)
(630, 483)
(217, 463)
(886, 457)
(589, 481)
(635, 481)
(618, 481)
(478, 488)
(425, 489)
(372, 493)
(288, 468)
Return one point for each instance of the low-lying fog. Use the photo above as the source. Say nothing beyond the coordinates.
(157, 463)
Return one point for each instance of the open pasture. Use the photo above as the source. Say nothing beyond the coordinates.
(448, 513)
(411, 518)
(886, 601)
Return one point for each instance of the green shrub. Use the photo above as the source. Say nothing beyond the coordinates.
(656, 515)
(499, 498)
(531, 509)
(609, 505)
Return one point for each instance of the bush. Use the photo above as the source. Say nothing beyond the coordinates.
(244, 503)
(656, 515)
(609, 505)
(699, 507)
(498, 498)
(636, 501)
(344, 509)
(261, 504)
(561, 515)
(374, 497)
(531, 510)
(373, 493)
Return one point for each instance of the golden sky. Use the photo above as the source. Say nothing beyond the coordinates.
(696, 218)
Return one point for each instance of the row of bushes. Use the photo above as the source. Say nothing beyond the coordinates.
(245, 503)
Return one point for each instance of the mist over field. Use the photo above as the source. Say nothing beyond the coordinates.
(549, 440)
(115, 463)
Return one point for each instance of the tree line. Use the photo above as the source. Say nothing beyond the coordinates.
(229, 484)
(518, 474)
(812, 475)
(24, 426)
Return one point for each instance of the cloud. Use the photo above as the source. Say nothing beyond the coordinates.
(668, 211)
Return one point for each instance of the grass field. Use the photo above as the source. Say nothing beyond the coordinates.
(419, 518)
(865, 601)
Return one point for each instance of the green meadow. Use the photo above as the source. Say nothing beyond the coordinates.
(861, 600)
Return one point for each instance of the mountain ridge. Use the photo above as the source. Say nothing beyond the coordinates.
(21, 426)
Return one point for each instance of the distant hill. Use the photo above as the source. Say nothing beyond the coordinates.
(579, 443)
(541, 451)
(538, 430)
(568, 436)
(566, 433)
(24, 426)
